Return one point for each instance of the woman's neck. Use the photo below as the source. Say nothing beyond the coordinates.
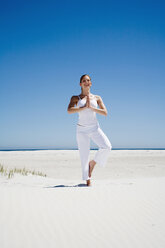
(85, 93)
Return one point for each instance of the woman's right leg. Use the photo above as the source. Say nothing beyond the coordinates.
(83, 141)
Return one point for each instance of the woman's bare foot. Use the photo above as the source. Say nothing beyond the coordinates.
(88, 182)
(91, 167)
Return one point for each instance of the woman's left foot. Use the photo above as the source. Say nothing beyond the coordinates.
(88, 182)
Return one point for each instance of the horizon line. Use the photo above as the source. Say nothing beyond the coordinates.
(121, 148)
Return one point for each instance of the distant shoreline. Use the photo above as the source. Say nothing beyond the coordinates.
(38, 149)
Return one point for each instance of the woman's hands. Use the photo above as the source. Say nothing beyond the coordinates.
(87, 105)
(88, 102)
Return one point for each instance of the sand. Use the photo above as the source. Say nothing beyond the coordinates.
(124, 208)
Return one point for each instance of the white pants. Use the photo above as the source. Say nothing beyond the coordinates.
(83, 135)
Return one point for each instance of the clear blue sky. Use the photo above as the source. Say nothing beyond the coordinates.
(45, 46)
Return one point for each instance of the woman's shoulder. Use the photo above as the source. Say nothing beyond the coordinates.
(74, 99)
(97, 97)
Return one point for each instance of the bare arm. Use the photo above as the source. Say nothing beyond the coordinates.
(102, 110)
(71, 109)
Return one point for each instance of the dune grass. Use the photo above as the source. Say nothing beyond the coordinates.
(10, 172)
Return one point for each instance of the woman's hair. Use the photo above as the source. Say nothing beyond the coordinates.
(84, 76)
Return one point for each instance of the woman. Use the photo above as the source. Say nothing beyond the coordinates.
(88, 127)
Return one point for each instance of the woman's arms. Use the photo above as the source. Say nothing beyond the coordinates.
(74, 99)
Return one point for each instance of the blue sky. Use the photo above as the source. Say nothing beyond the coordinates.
(45, 46)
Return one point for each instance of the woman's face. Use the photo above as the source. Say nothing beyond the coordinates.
(86, 82)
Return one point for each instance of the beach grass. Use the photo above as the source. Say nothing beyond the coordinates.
(25, 172)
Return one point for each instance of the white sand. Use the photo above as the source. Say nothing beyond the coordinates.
(124, 208)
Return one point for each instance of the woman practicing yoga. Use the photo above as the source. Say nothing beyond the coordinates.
(88, 127)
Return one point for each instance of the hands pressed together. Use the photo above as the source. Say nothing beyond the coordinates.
(88, 102)
(87, 105)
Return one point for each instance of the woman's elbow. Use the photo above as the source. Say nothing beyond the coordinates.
(68, 110)
(106, 113)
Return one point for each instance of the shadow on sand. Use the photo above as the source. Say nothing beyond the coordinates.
(62, 186)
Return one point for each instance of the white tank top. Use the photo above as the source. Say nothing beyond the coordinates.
(87, 117)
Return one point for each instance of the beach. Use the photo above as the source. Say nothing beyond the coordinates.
(123, 208)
